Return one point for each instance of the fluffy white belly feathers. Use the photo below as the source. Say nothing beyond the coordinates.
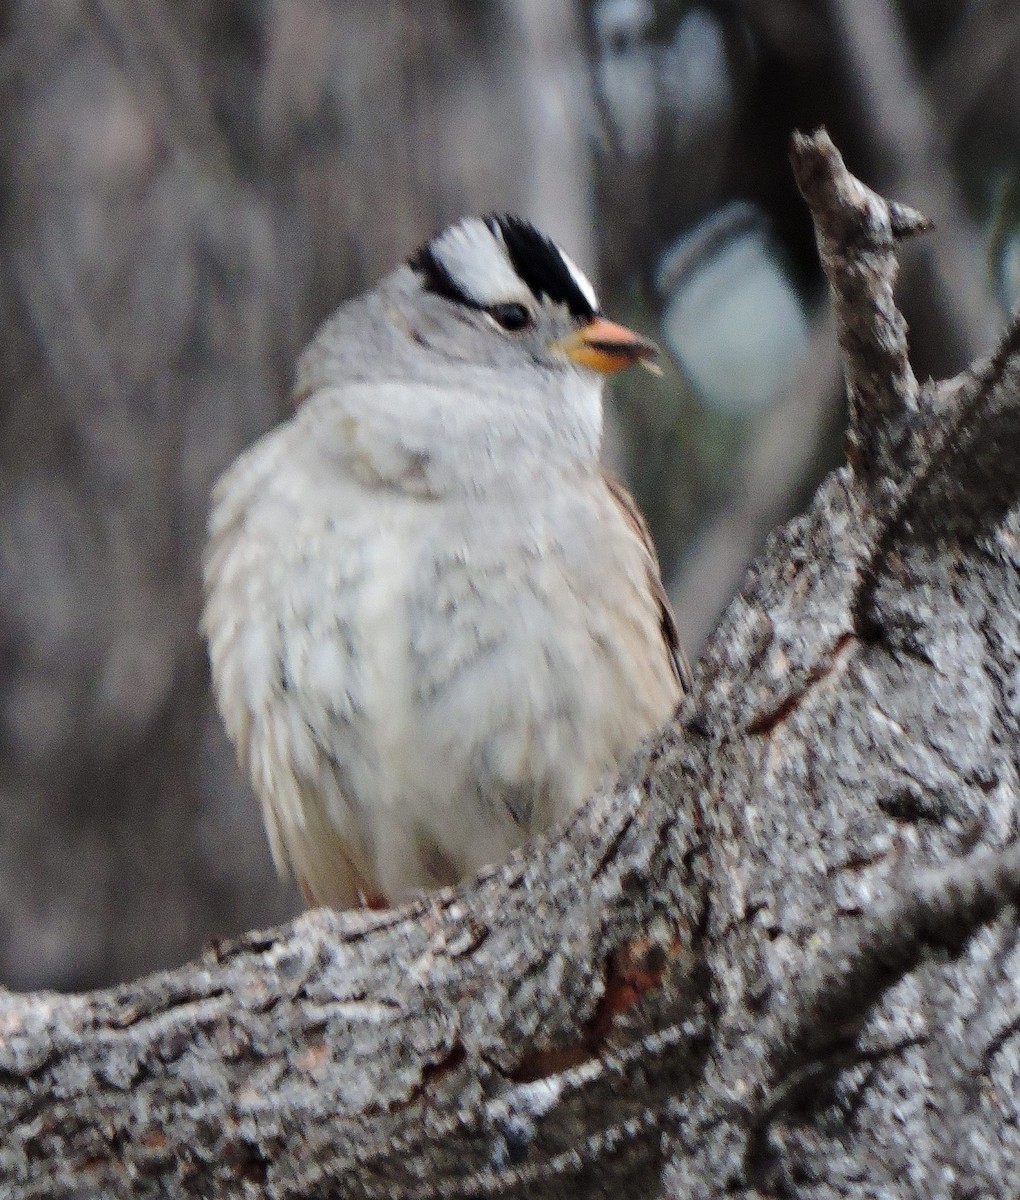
(434, 623)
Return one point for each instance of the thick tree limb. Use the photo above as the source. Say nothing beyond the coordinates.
(779, 958)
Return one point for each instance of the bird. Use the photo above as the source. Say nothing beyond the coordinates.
(435, 620)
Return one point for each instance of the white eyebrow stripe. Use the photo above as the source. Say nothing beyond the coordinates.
(583, 284)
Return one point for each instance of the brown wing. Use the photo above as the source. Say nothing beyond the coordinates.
(667, 622)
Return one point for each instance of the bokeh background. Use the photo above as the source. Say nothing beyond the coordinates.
(187, 189)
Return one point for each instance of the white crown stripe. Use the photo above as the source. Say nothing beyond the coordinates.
(475, 258)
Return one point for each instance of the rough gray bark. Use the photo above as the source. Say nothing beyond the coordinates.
(779, 959)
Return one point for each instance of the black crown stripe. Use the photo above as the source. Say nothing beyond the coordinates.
(537, 260)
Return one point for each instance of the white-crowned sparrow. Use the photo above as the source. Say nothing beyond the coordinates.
(435, 621)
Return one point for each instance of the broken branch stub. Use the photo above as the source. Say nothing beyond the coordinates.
(856, 231)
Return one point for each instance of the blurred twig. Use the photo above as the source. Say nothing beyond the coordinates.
(164, 71)
(911, 164)
(984, 45)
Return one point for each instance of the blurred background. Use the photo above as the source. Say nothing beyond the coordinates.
(187, 189)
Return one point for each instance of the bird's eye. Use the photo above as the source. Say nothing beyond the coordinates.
(512, 317)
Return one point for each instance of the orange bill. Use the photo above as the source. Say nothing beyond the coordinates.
(606, 347)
